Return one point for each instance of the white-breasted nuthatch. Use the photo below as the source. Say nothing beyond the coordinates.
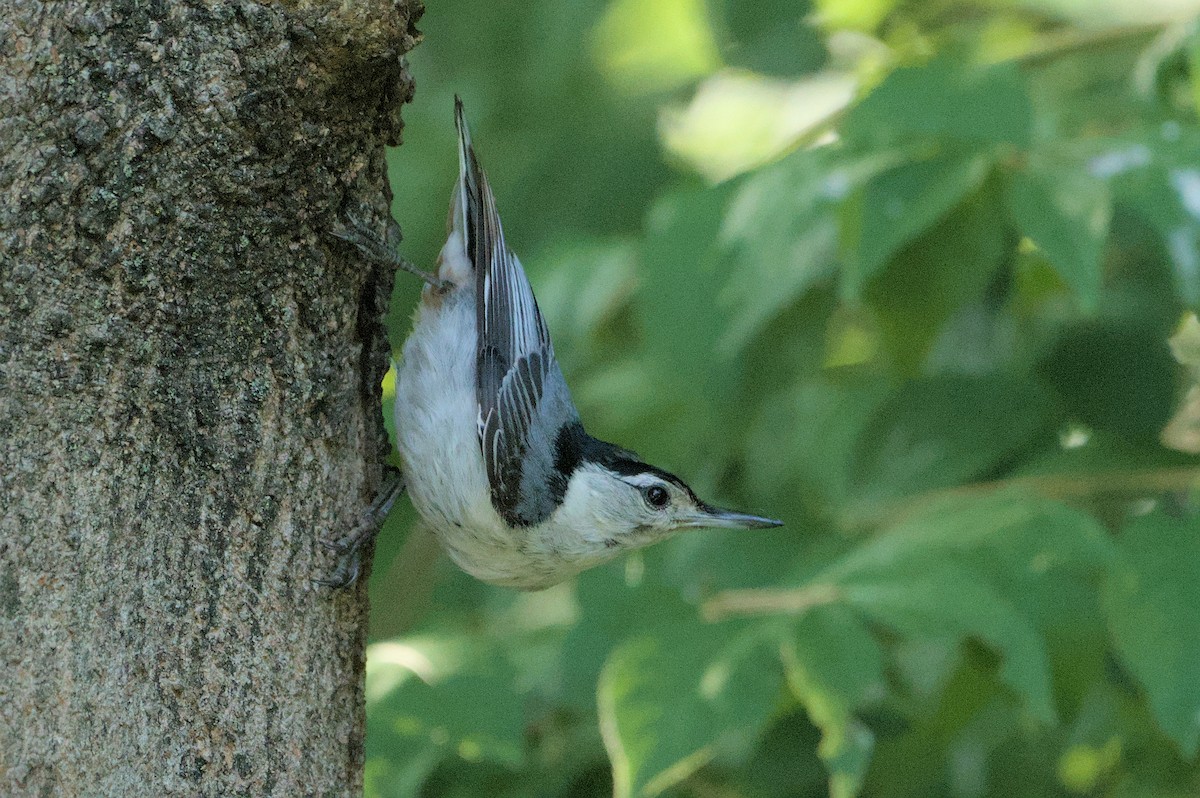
(493, 451)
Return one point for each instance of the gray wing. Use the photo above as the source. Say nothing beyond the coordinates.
(523, 399)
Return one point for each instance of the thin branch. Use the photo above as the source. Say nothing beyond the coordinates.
(794, 601)
(1051, 486)
(1057, 46)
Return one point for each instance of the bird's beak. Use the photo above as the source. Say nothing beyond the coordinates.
(716, 517)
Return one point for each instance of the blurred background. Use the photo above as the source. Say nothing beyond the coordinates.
(915, 277)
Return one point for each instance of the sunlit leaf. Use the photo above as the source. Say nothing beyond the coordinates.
(864, 15)
(434, 698)
(1185, 345)
(737, 121)
(653, 45)
(833, 664)
(1083, 767)
(668, 703)
(1193, 56)
(1115, 13)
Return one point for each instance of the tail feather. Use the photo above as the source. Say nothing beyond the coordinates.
(468, 187)
(459, 257)
(478, 218)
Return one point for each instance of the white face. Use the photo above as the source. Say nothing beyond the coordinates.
(619, 511)
(660, 504)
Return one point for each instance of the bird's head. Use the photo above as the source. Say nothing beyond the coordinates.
(631, 504)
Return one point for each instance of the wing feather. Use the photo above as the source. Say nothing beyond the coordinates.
(515, 362)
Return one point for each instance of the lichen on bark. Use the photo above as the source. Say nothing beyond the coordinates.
(189, 400)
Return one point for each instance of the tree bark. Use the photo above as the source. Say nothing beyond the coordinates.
(189, 388)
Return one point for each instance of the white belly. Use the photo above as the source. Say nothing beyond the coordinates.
(436, 422)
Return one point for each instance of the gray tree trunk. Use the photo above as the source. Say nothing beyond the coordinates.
(189, 372)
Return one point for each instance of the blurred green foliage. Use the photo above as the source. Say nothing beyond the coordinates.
(902, 274)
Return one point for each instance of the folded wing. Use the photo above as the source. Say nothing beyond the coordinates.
(523, 399)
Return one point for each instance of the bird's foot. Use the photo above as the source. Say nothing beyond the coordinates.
(349, 547)
(381, 250)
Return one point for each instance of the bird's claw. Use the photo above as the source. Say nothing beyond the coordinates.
(381, 249)
(349, 547)
(344, 575)
(340, 545)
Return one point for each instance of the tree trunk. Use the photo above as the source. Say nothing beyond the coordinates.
(189, 400)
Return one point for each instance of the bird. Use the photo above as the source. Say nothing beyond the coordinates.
(493, 452)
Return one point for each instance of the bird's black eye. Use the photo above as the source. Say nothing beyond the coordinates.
(656, 496)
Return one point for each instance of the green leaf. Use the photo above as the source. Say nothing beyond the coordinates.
(1154, 613)
(737, 121)
(668, 703)
(676, 302)
(612, 611)
(1066, 213)
(780, 236)
(581, 285)
(1185, 345)
(897, 205)
(946, 100)
(944, 572)
(932, 278)
(1193, 56)
(1105, 457)
(397, 766)
(1155, 174)
(654, 46)
(803, 442)
(978, 528)
(865, 15)
(785, 763)
(433, 698)
(770, 38)
(941, 431)
(1114, 374)
(940, 599)
(833, 664)
(1049, 564)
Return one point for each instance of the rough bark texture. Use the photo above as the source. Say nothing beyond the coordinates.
(189, 371)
